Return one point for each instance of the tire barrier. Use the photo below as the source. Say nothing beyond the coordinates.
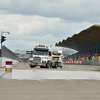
(73, 62)
(87, 62)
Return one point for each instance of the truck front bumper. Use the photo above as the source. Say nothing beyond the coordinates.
(37, 64)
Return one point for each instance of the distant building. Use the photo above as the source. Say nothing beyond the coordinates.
(23, 54)
(66, 52)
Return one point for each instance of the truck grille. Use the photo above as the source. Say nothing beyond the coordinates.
(37, 60)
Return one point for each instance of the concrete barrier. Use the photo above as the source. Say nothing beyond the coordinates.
(8, 66)
(83, 67)
(7, 59)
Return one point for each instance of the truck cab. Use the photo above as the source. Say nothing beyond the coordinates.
(41, 57)
(57, 59)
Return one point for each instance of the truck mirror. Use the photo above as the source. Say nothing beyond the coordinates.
(49, 53)
(31, 52)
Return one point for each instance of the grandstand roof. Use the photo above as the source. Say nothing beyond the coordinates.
(83, 38)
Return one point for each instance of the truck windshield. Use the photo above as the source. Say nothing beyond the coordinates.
(40, 52)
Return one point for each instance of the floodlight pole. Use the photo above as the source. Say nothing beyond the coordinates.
(1, 45)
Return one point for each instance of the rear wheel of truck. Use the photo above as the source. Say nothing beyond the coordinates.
(32, 66)
(41, 66)
(61, 67)
(56, 65)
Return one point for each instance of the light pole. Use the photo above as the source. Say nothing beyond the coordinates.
(2, 40)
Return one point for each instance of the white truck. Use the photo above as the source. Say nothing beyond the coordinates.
(42, 56)
(57, 57)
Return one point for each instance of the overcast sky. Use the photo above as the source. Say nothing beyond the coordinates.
(33, 22)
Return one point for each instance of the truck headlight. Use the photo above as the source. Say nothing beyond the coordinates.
(43, 61)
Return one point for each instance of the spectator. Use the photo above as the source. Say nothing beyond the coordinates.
(90, 57)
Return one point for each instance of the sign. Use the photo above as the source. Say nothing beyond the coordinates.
(41, 45)
(29, 52)
(8, 62)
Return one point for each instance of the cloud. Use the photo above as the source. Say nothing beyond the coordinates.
(76, 10)
(27, 31)
(33, 22)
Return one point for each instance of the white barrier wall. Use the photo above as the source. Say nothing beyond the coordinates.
(8, 59)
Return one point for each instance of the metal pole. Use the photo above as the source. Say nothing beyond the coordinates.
(1, 50)
(1, 45)
(96, 46)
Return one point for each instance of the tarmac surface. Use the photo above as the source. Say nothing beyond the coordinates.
(24, 83)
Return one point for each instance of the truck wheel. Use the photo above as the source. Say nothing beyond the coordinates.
(56, 65)
(41, 66)
(48, 65)
(31, 66)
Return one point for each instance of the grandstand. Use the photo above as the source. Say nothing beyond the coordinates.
(86, 42)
